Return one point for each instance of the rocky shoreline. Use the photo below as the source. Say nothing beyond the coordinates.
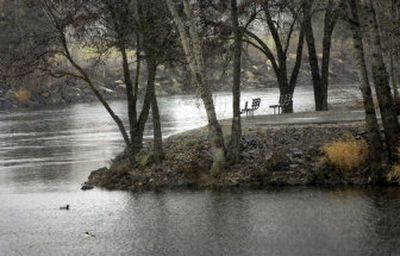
(272, 156)
(59, 93)
(169, 81)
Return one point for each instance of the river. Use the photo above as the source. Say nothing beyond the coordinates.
(45, 155)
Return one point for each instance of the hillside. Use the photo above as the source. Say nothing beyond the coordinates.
(256, 73)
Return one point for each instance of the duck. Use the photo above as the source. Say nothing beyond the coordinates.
(65, 207)
(87, 234)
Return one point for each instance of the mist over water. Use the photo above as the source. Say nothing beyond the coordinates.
(46, 154)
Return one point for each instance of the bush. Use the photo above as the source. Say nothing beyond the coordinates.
(346, 154)
(23, 95)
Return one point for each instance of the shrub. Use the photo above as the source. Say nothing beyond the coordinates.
(346, 154)
(22, 95)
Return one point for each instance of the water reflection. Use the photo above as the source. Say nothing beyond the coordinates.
(294, 221)
(227, 217)
(386, 224)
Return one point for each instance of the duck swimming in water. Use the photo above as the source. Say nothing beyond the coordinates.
(64, 207)
(87, 234)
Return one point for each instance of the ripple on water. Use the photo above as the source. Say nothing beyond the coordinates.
(46, 154)
(299, 221)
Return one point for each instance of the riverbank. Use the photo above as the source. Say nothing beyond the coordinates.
(276, 155)
(44, 91)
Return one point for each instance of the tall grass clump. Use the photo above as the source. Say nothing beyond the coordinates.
(346, 154)
(393, 175)
(22, 95)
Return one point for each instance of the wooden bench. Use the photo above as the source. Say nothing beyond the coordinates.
(284, 100)
(255, 104)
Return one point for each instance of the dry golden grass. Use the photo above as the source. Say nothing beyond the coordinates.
(346, 154)
(394, 174)
(22, 95)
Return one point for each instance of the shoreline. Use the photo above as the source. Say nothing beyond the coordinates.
(10, 103)
(273, 155)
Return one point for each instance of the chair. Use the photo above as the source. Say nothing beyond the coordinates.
(255, 104)
(284, 100)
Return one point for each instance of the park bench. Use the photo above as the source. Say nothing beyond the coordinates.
(284, 100)
(255, 104)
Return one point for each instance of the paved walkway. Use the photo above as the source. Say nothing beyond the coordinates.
(324, 117)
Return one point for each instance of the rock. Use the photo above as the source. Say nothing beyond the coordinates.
(245, 155)
(86, 186)
(268, 155)
(298, 153)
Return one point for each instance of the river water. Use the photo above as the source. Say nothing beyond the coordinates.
(46, 154)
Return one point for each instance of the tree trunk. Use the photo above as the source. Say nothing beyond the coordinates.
(329, 24)
(131, 97)
(157, 134)
(192, 46)
(320, 104)
(297, 65)
(320, 78)
(138, 69)
(236, 132)
(393, 78)
(373, 131)
(137, 140)
(381, 81)
(158, 143)
(137, 133)
(284, 89)
(281, 53)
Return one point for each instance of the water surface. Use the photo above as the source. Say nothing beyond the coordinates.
(46, 154)
(295, 221)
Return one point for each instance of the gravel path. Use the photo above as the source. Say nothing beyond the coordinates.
(304, 118)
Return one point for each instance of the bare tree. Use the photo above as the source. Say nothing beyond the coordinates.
(320, 77)
(193, 48)
(236, 133)
(160, 46)
(373, 130)
(117, 28)
(62, 17)
(381, 79)
(124, 16)
(388, 16)
(281, 18)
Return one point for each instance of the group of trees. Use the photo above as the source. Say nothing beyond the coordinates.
(183, 32)
(103, 26)
(368, 38)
